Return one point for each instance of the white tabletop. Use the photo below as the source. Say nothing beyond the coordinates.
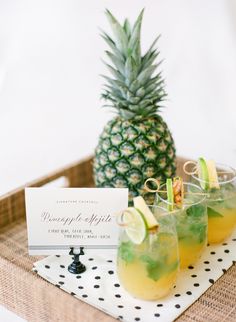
(50, 87)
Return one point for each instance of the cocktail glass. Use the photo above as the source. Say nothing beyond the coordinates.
(221, 204)
(191, 222)
(149, 270)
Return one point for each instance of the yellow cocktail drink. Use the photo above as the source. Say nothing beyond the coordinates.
(221, 219)
(148, 271)
(221, 200)
(220, 228)
(191, 223)
(190, 253)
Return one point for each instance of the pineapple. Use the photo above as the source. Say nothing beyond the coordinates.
(136, 144)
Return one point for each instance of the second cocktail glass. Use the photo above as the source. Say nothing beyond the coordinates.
(191, 222)
(221, 203)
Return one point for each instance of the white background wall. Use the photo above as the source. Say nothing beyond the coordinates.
(50, 52)
(50, 112)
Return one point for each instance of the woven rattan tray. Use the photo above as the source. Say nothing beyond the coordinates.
(34, 299)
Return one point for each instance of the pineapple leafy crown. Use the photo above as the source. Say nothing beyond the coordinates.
(135, 91)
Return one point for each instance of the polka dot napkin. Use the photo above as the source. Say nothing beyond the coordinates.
(99, 285)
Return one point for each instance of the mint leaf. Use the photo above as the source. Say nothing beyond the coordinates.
(213, 213)
(154, 268)
(196, 211)
(126, 252)
(202, 233)
(157, 268)
(199, 231)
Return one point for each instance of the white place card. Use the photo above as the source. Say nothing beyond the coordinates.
(60, 218)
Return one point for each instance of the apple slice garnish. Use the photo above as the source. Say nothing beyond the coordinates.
(212, 173)
(207, 174)
(140, 204)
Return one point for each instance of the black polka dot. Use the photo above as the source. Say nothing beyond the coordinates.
(117, 285)
(62, 276)
(78, 276)
(137, 307)
(97, 277)
(80, 287)
(224, 244)
(94, 267)
(189, 293)
(208, 245)
(137, 319)
(196, 284)
(120, 317)
(207, 269)
(120, 306)
(223, 270)
(117, 295)
(101, 299)
(212, 253)
(159, 305)
(84, 295)
(109, 261)
(193, 275)
(157, 315)
(177, 306)
(72, 293)
(62, 266)
(110, 272)
(61, 283)
(226, 251)
(234, 239)
(58, 256)
(206, 262)
(190, 267)
(35, 270)
(96, 286)
(211, 281)
(177, 295)
(57, 285)
(233, 262)
(220, 259)
(47, 266)
(90, 259)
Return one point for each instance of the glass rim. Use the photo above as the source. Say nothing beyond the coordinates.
(166, 211)
(159, 207)
(204, 195)
(218, 165)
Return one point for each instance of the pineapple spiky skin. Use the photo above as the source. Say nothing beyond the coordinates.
(129, 152)
(136, 144)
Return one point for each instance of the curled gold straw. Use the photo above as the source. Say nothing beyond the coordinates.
(119, 218)
(154, 181)
(194, 169)
(164, 191)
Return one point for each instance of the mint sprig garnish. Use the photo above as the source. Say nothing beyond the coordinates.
(126, 252)
(196, 211)
(157, 268)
